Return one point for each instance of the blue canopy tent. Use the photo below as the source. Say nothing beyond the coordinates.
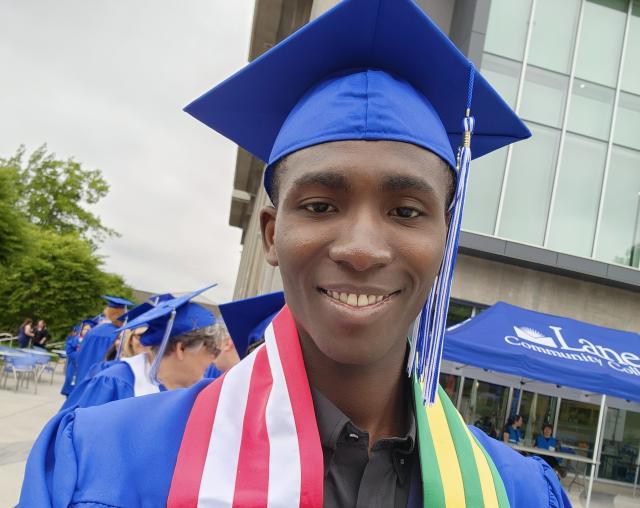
(557, 350)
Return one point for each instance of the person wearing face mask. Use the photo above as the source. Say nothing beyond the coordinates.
(363, 118)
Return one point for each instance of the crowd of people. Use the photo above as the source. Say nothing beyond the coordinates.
(363, 118)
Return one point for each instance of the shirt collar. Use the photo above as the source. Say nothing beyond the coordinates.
(331, 423)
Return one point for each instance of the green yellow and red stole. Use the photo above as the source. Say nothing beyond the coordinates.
(252, 440)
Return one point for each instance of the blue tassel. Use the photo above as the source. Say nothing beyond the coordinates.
(427, 336)
(120, 344)
(153, 373)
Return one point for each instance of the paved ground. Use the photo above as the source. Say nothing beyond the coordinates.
(23, 414)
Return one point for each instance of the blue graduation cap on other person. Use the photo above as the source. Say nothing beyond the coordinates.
(116, 302)
(248, 319)
(138, 310)
(370, 70)
(170, 318)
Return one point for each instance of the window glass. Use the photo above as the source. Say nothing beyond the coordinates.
(458, 312)
(536, 410)
(484, 405)
(591, 109)
(528, 187)
(553, 34)
(504, 76)
(627, 131)
(507, 28)
(485, 182)
(543, 96)
(631, 72)
(577, 423)
(575, 210)
(600, 42)
(620, 445)
(620, 209)
(450, 384)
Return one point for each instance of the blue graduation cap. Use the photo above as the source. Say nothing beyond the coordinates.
(370, 70)
(170, 318)
(116, 302)
(248, 319)
(145, 306)
(138, 310)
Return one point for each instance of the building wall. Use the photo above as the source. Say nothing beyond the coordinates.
(477, 280)
(486, 282)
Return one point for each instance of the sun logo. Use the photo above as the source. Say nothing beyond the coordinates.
(533, 335)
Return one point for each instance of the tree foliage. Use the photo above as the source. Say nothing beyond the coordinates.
(55, 194)
(12, 222)
(48, 265)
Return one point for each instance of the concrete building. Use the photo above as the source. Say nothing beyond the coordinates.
(552, 223)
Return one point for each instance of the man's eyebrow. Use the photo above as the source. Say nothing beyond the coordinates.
(330, 179)
(405, 182)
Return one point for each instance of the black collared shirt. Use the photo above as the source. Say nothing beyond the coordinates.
(352, 478)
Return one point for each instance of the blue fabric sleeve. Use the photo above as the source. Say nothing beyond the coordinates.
(51, 470)
(96, 391)
(529, 481)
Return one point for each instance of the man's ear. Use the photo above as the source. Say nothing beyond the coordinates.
(268, 230)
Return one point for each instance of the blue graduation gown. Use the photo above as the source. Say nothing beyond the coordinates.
(114, 383)
(71, 350)
(95, 345)
(68, 466)
(212, 372)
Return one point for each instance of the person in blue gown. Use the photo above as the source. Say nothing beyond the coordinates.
(71, 350)
(188, 352)
(371, 74)
(246, 320)
(101, 337)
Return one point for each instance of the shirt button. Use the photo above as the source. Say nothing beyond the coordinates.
(402, 462)
(353, 437)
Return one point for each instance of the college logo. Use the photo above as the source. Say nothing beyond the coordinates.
(587, 351)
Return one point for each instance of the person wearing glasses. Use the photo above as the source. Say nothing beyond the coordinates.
(188, 353)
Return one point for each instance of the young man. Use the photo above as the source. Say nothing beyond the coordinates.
(358, 117)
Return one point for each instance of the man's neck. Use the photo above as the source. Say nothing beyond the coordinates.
(374, 397)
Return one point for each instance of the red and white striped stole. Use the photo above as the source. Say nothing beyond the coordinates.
(252, 438)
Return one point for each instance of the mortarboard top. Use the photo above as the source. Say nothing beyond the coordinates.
(116, 302)
(366, 69)
(247, 319)
(189, 316)
(146, 306)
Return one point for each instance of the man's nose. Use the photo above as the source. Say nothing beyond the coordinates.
(360, 243)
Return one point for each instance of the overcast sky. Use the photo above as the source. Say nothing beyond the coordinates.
(105, 81)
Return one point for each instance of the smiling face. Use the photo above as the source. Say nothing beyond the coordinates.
(358, 234)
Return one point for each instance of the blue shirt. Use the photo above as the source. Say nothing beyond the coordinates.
(515, 436)
(543, 442)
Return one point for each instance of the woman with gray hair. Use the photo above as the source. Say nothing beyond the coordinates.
(179, 350)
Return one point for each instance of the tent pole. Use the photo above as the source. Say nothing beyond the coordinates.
(460, 390)
(596, 448)
(557, 415)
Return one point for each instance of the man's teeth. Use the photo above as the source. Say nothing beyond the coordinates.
(355, 300)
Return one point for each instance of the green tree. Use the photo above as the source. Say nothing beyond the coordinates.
(55, 194)
(57, 278)
(12, 221)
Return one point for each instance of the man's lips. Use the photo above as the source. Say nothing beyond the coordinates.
(357, 298)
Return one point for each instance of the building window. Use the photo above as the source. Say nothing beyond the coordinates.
(567, 70)
(620, 445)
(528, 187)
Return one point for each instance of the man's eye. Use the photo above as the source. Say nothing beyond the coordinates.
(405, 212)
(319, 207)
